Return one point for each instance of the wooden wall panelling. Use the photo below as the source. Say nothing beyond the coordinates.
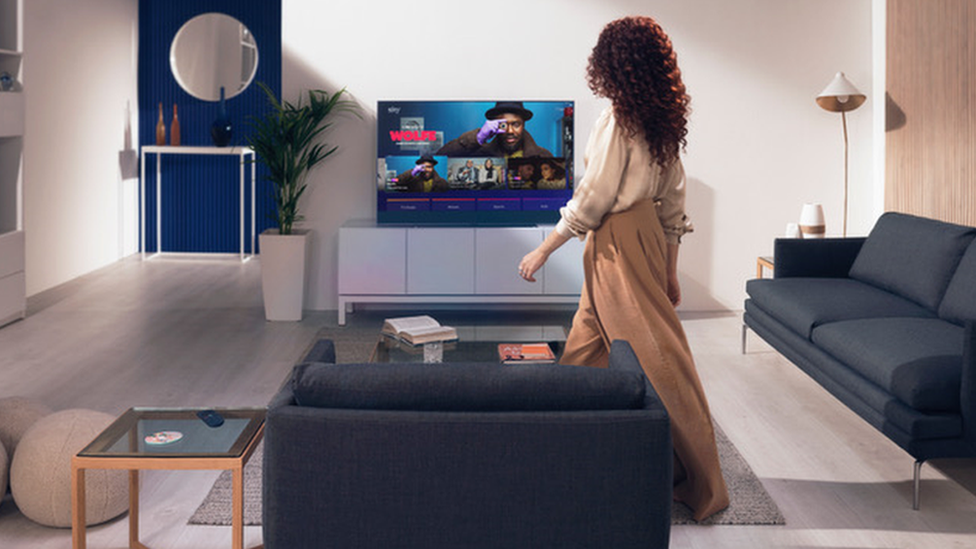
(931, 115)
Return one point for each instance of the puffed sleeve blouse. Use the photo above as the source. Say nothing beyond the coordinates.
(620, 172)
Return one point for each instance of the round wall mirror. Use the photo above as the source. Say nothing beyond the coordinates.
(213, 51)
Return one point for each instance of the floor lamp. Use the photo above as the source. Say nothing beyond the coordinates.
(841, 96)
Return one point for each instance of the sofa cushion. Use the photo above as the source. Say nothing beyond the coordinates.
(917, 360)
(959, 303)
(804, 303)
(913, 257)
(466, 387)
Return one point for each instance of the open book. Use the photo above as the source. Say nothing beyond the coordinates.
(418, 329)
(525, 353)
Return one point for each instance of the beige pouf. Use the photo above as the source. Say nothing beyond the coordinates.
(4, 468)
(17, 415)
(40, 474)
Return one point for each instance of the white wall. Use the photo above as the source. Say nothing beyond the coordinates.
(80, 73)
(759, 146)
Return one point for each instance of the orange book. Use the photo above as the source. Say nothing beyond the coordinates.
(525, 353)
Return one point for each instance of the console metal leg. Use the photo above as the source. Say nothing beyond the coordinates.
(745, 330)
(918, 483)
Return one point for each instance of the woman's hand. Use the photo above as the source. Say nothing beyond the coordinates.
(532, 262)
(674, 290)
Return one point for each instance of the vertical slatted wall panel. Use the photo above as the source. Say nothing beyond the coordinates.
(931, 134)
(201, 209)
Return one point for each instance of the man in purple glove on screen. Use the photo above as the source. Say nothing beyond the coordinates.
(422, 178)
(502, 135)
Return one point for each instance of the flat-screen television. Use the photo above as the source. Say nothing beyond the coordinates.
(473, 162)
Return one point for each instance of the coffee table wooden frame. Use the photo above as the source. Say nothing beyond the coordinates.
(135, 464)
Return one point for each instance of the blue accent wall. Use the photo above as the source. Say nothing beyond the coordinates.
(200, 194)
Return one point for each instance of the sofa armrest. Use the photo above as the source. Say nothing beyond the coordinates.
(622, 357)
(322, 351)
(967, 397)
(815, 258)
(285, 395)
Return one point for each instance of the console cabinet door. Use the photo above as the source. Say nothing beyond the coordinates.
(440, 261)
(372, 260)
(499, 251)
(564, 268)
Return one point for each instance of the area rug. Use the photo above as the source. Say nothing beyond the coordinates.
(751, 503)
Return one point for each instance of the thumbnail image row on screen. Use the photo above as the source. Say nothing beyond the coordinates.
(455, 204)
(439, 174)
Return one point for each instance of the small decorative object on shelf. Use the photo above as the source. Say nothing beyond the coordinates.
(222, 129)
(174, 129)
(6, 81)
(161, 127)
(812, 221)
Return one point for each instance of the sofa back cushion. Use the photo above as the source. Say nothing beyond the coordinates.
(913, 257)
(959, 303)
(466, 387)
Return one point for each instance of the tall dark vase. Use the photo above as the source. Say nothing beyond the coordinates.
(222, 130)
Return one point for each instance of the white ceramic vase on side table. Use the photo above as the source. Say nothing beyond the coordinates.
(812, 221)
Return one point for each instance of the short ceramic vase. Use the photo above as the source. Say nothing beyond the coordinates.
(812, 221)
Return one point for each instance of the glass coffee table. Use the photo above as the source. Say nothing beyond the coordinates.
(474, 344)
(170, 439)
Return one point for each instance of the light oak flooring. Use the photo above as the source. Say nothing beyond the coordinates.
(182, 332)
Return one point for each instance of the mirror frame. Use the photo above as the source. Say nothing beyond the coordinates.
(245, 39)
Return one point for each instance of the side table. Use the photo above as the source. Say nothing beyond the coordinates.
(159, 151)
(131, 443)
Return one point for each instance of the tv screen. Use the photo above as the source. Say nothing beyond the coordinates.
(473, 162)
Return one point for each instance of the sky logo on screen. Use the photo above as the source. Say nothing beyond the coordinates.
(413, 135)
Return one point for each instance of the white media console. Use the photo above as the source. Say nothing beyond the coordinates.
(400, 264)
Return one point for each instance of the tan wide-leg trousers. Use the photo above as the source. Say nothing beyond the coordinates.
(625, 297)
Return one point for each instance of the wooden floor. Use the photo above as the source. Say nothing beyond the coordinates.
(179, 332)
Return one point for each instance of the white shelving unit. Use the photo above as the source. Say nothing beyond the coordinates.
(396, 264)
(13, 286)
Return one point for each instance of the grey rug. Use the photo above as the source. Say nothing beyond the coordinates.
(751, 503)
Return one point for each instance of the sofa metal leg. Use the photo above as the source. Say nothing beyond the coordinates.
(745, 330)
(918, 482)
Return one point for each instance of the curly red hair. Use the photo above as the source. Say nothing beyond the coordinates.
(634, 65)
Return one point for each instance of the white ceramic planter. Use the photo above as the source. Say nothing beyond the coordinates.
(283, 273)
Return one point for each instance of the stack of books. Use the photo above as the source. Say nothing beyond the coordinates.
(417, 330)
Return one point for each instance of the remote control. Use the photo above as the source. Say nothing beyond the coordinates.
(211, 418)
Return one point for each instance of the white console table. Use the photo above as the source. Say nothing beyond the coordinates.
(159, 151)
(399, 264)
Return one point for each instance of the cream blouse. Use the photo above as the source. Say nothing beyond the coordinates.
(620, 172)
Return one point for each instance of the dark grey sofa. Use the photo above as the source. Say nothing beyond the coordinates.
(885, 324)
(473, 455)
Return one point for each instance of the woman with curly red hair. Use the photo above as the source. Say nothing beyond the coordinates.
(629, 205)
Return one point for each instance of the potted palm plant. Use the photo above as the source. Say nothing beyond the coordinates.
(287, 140)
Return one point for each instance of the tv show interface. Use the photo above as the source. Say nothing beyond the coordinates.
(473, 156)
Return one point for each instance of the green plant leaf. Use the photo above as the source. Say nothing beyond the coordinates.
(287, 141)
